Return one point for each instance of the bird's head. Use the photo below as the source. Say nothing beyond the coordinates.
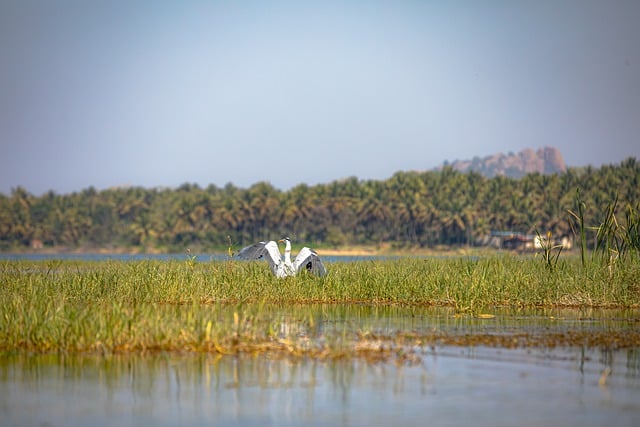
(284, 239)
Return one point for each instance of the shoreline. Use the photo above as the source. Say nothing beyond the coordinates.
(384, 250)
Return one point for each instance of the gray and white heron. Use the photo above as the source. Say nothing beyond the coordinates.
(306, 260)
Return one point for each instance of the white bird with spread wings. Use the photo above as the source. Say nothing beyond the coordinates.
(306, 260)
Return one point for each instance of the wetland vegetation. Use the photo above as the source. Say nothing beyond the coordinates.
(231, 307)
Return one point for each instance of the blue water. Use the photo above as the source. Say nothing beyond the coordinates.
(451, 386)
(160, 257)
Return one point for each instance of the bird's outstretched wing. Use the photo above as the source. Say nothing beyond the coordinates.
(263, 250)
(255, 251)
(308, 260)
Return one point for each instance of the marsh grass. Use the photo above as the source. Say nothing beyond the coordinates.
(228, 306)
(550, 252)
(613, 239)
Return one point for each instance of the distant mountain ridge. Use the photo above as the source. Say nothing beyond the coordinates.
(546, 160)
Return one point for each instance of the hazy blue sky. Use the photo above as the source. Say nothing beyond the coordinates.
(153, 93)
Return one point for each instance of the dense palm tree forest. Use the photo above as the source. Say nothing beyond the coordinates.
(415, 209)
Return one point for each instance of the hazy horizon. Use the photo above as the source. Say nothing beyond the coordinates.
(337, 179)
(158, 94)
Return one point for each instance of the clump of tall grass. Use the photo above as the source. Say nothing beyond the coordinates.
(578, 218)
(550, 251)
(613, 239)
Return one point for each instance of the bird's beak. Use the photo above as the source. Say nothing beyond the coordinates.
(281, 240)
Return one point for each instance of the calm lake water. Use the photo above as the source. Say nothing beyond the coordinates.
(159, 257)
(450, 385)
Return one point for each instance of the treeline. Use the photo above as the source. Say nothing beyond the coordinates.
(409, 209)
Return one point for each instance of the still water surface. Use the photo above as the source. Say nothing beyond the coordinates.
(158, 257)
(451, 385)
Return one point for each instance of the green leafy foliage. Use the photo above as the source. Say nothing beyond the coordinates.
(408, 209)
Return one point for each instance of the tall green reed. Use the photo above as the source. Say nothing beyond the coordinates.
(579, 218)
(613, 239)
(550, 251)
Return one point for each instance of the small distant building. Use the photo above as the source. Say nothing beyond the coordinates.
(516, 240)
(566, 242)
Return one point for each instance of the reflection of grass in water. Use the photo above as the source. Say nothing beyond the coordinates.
(236, 307)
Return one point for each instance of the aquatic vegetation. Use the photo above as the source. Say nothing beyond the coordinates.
(613, 239)
(579, 219)
(230, 306)
(550, 252)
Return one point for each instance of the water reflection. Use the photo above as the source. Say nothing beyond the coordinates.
(317, 321)
(453, 386)
(539, 385)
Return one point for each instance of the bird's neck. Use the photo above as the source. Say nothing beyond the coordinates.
(287, 251)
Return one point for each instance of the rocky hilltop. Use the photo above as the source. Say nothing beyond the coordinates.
(547, 160)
